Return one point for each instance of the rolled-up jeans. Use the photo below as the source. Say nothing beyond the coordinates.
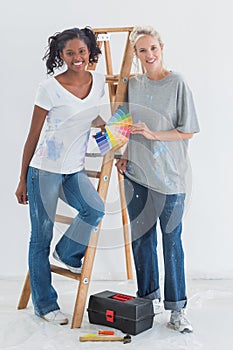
(44, 190)
(146, 207)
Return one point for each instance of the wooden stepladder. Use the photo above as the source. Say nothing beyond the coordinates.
(117, 87)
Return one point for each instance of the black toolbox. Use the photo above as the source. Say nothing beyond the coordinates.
(130, 314)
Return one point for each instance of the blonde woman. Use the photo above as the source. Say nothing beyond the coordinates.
(155, 170)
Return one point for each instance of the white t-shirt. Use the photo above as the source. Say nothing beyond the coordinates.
(63, 141)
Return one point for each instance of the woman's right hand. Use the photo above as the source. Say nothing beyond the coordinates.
(121, 165)
(21, 192)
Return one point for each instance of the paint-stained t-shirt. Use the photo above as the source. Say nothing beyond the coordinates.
(162, 105)
(63, 142)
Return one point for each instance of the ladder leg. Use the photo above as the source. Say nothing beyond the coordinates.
(119, 98)
(79, 305)
(25, 294)
(83, 286)
(88, 262)
(124, 73)
(125, 223)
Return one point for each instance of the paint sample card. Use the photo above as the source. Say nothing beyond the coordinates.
(116, 131)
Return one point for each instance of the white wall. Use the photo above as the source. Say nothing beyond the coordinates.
(198, 43)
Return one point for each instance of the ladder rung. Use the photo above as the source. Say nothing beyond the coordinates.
(92, 173)
(96, 155)
(117, 155)
(113, 30)
(64, 272)
(64, 219)
(93, 155)
(112, 78)
(115, 78)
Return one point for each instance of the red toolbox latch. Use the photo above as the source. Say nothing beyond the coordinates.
(109, 315)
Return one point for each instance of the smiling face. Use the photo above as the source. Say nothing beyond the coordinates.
(149, 51)
(75, 54)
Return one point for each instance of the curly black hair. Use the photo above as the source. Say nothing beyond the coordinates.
(57, 42)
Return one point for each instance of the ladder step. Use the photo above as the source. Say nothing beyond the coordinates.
(92, 173)
(113, 30)
(64, 272)
(96, 155)
(93, 155)
(115, 78)
(64, 219)
(112, 78)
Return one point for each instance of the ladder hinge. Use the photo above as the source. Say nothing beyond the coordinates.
(103, 37)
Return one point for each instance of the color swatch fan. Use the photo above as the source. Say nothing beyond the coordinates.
(116, 131)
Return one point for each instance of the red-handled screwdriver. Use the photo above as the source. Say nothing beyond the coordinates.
(101, 332)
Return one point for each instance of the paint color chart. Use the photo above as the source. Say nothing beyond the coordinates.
(116, 131)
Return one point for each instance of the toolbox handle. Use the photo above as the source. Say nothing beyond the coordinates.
(122, 297)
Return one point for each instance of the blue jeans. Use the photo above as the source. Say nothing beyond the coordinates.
(146, 207)
(44, 190)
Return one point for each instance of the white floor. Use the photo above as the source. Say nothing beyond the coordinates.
(210, 309)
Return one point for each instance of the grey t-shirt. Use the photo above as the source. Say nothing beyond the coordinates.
(163, 105)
